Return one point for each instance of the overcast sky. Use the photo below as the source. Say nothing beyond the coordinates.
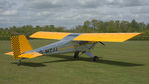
(70, 13)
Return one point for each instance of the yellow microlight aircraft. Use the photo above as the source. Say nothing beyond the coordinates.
(69, 42)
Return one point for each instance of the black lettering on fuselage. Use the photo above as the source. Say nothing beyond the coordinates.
(51, 50)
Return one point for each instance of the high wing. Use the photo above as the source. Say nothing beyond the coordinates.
(49, 35)
(104, 37)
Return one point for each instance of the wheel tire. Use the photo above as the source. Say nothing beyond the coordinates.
(76, 55)
(95, 58)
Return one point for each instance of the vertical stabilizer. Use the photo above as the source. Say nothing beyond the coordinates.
(19, 45)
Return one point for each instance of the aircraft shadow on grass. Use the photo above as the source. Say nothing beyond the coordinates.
(31, 64)
(70, 58)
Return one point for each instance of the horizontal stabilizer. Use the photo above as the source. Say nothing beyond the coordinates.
(9, 53)
(27, 55)
(30, 55)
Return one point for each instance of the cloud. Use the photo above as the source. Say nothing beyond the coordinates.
(70, 13)
(9, 12)
(44, 4)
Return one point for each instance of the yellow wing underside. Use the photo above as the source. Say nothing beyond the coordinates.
(104, 37)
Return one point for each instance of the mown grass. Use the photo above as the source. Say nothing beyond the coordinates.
(121, 63)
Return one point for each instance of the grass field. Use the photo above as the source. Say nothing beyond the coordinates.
(121, 63)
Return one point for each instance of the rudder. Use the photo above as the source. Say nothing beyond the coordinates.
(19, 45)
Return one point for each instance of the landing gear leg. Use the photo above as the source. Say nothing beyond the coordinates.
(95, 58)
(76, 55)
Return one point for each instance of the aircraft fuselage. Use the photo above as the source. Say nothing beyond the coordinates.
(64, 47)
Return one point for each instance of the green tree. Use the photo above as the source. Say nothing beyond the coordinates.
(37, 28)
(60, 29)
(134, 25)
(124, 26)
(52, 28)
(111, 26)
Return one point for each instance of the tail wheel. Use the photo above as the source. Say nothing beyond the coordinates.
(19, 63)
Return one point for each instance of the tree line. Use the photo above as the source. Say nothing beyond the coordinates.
(93, 26)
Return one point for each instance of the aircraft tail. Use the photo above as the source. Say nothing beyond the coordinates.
(19, 45)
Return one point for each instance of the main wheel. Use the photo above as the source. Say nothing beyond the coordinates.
(95, 58)
(76, 55)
